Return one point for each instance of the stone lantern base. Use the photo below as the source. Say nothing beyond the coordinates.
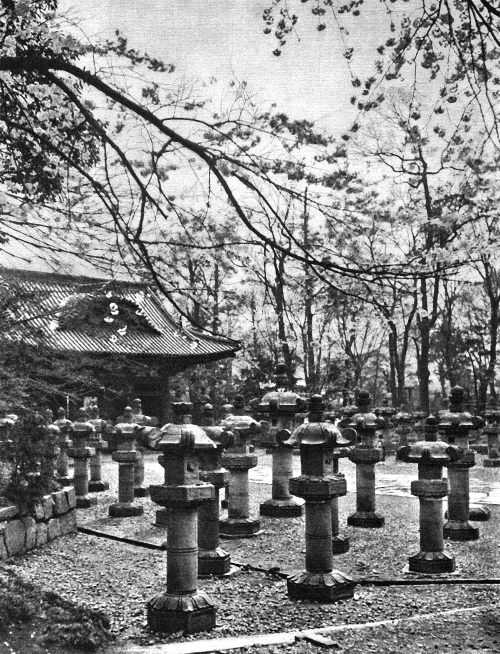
(85, 502)
(125, 510)
(369, 519)
(431, 562)
(288, 508)
(476, 514)
(239, 527)
(491, 463)
(461, 531)
(340, 544)
(98, 486)
(186, 613)
(326, 587)
(479, 514)
(213, 563)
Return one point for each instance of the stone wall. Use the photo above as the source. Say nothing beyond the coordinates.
(53, 516)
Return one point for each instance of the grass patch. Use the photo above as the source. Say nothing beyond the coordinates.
(49, 618)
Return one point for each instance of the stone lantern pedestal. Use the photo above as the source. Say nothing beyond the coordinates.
(365, 454)
(430, 455)
(212, 559)
(133, 415)
(96, 483)
(340, 542)
(319, 581)
(65, 430)
(126, 457)
(182, 607)
(281, 407)
(455, 424)
(492, 430)
(238, 460)
(140, 490)
(82, 430)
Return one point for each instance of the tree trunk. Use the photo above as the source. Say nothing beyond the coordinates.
(308, 310)
(423, 365)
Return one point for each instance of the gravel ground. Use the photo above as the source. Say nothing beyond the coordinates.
(120, 578)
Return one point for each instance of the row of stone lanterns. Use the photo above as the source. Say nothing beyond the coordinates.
(192, 458)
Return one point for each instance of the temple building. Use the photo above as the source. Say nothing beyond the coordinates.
(137, 344)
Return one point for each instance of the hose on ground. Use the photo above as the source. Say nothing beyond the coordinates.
(275, 571)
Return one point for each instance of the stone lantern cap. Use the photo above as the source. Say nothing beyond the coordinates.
(82, 429)
(62, 421)
(402, 417)
(316, 432)
(492, 415)
(385, 409)
(418, 415)
(365, 420)
(241, 424)
(183, 437)
(221, 436)
(81, 423)
(349, 410)
(282, 400)
(431, 452)
(456, 418)
(280, 403)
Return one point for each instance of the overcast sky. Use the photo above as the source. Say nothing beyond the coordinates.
(222, 38)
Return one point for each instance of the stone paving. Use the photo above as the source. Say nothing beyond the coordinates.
(391, 477)
(484, 482)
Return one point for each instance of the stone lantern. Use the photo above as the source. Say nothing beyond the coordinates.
(281, 406)
(340, 542)
(492, 430)
(126, 457)
(387, 412)
(430, 455)
(346, 413)
(455, 425)
(319, 581)
(65, 432)
(418, 420)
(82, 431)
(134, 416)
(49, 451)
(238, 460)
(140, 490)
(227, 410)
(212, 559)
(182, 416)
(365, 454)
(403, 422)
(182, 607)
(96, 484)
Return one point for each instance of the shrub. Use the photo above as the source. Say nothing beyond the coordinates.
(30, 449)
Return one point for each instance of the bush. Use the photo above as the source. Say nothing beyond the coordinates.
(15, 608)
(68, 626)
(30, 450)
(77, 627)
(19, 602)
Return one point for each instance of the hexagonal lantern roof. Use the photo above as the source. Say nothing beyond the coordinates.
(456, 417)
(185, 436)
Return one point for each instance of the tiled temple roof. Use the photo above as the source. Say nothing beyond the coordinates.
(71, 314)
